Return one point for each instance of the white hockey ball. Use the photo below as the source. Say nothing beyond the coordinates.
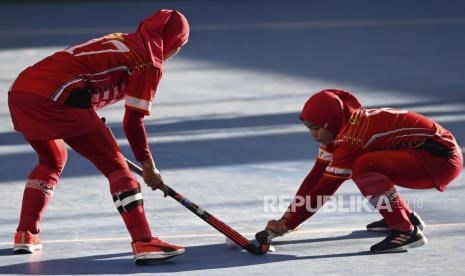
(230, 244)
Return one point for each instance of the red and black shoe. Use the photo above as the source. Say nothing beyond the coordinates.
(154, 251)
(399, 241)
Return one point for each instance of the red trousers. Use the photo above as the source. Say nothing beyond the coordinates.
(100, 148)
(377, 173)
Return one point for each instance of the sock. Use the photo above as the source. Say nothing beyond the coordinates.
(137, 224)
(33, 206)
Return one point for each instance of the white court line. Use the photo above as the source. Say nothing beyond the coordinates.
(190, 136)
(298, 232)
(278, 25)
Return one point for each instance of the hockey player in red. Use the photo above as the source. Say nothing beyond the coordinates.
(54, 103)
(378, 149)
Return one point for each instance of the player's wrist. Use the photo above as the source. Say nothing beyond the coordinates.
(149, 164)
(285, 216)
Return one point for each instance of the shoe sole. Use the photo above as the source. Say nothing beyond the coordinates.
(378, 229)
(26, 248)
(150, 257)
(404, 248)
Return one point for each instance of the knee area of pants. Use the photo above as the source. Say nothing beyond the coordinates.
(371, 182)
(122, 180)
(58, 167)
(45, 173)
(55, 167)
(56, 164)
(361, 166)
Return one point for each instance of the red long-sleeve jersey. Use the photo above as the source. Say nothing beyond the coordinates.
(112, 68)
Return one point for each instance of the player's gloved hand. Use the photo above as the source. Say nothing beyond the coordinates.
(152, 176)
(277, 226)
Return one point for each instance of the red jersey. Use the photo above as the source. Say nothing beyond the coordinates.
(380, 129)
(112, 68)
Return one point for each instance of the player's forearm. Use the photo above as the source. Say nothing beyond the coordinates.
(133, 125)
(307, 184)
(314, 200)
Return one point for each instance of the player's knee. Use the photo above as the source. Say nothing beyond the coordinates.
(55, 161)
(47, 172)
(122, 180)
(361, 166)
(58, 166)
(372, 183)
(55, 165)
(112, 165)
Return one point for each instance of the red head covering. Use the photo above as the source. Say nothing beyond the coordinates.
(163, 32)
(330, 109)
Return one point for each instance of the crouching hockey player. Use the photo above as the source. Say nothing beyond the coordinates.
(53, 103)
(378, 149)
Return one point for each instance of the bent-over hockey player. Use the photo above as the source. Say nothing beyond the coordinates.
(378, 149)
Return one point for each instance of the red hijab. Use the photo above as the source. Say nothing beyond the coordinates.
(330, 109)
(163, 32)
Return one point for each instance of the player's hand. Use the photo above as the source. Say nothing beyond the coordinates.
(285, 216)
(277, 226)
(152, 176)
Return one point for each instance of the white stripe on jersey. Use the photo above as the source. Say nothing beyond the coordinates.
(138, 103)
(415, 134)
(334, 170)
(125, 68)
(58, 93)
(98, 80)
(324, 155)
(378, 135)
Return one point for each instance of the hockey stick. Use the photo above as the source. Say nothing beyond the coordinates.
(251, 246)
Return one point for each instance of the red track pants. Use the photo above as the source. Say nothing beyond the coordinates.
(377, 173)
(100, 148)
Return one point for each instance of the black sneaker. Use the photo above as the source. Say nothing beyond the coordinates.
(399, 241)
(381, 225)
